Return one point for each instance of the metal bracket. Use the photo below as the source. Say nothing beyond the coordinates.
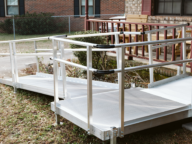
(113, 135)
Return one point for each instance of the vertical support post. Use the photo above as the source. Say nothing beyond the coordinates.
(124, 34)
(14, 26)
(63, 70)
(12, 66)
(56, 92)
(89, 88)
(150, 58)
(191, 52)
(117, 54)
(157, 38)
(69, 24)
(15, 63)
(184, 48)
(165, 48)
(107, 27)
(136, 39)
(173, 46)
(130, 40)
(143, 39)
(92, 26)
(113, 136)
(102, 27)
(97, 26)
(112, 36)
(121, 90)
(37, 59)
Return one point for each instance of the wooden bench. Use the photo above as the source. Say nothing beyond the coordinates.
(135, 19)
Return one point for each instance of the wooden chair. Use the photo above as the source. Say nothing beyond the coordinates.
(136, 19)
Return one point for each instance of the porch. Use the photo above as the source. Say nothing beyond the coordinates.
(120, 23)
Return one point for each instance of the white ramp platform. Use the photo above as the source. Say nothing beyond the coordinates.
(43, 83)
(144, 108)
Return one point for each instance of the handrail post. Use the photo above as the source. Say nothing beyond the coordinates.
(12, 66)
(89, 89)
(15, 67)
(56, 92)
(37, 59)
(63, 70)
(150, 58)
(117, 54)
(184, 48)
(121, 91)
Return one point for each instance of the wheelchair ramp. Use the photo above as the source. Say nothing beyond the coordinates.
(43, 83)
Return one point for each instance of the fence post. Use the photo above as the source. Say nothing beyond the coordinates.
(14, 26)
(184, 48)
(56, 92)
(69, 24)
(89, 89)
(150, 59)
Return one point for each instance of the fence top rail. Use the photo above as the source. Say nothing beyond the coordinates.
(143, 43)
(124, 22)
(33, 39)
(167, 28)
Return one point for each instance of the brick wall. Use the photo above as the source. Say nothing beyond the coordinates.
(66, 7)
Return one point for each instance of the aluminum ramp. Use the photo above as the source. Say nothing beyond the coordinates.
(43, 83)
(144, 108)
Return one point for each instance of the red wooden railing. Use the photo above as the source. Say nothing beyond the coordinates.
(103, 24)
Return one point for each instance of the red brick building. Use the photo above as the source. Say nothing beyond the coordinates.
(62, 7)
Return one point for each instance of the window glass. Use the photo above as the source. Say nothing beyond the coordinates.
(169, 7)
(82, 10)
(12, 2)
(90, 2)
(188, 7)
(13, 10)
(83, 2)
(90, 10)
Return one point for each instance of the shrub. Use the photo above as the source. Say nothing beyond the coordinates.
(99, 58)
(33, 24)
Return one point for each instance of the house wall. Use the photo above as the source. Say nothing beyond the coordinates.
(135, 7)
(66, 7)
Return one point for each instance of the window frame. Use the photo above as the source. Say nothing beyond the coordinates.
(6, 9)
(80, 7)
(156, 4)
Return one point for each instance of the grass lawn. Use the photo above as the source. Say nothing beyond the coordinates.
(26, 118)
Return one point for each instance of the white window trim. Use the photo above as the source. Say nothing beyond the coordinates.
(80, 2)
(6, 15)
